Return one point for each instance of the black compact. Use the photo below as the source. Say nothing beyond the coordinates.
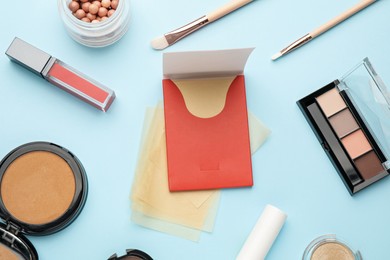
(43, 188)
(351, 120)
(132, 254)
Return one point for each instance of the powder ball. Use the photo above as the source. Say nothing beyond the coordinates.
(80, 14)
(85, 6)
(114, 4)
(74, 6)
(102, 11)
(106, 3)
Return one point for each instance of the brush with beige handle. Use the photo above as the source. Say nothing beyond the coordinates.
(170, 38)
(323, 28)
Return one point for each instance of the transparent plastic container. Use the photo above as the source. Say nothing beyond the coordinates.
(96, 34)
(330, 247)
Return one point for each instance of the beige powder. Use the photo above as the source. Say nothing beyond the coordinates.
(331, 102)
(38, 187)
(332, 251)
(8, 254)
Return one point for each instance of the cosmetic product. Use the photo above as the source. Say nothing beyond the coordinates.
(350, 118)
(91, 32)
(132, 254)
(330, 247)
(60, 74)
(172, 37)
(263, 234)
(43, 188)
(323, 28)
(206, 120)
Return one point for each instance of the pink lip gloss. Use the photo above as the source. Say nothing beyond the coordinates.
(60, 74)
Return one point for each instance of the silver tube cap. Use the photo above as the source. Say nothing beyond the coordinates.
(28, 56)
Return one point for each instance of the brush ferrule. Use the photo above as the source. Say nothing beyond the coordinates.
(298, 43)
(181, 32)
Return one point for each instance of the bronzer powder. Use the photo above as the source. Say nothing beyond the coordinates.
(38, 187)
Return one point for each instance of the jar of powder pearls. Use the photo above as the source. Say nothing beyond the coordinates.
(95, 23)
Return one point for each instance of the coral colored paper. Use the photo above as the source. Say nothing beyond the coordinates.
(212, 152)
(207, 153)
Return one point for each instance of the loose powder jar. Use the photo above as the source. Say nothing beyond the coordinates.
(329, 247)
(43, 188)
(109, 27)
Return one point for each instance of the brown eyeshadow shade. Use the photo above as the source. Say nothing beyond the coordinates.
(343, 123)
(331, 102)
(369, 165)
(7, 254)
(38, 187)
(356, 144)
(332, 251)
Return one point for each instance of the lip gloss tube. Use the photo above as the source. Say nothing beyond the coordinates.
(60, 74)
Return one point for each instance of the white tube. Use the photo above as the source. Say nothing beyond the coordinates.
(263, 234)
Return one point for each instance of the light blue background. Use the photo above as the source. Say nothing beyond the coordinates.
(291, 171)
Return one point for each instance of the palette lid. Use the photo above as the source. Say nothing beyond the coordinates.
(371, 99)
(14, 245)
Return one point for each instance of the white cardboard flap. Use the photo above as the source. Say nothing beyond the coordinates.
(204, 64)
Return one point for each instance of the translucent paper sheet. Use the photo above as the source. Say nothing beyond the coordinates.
(183, 214)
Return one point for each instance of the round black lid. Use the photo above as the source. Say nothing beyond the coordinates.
(17, 244)
(132, 254)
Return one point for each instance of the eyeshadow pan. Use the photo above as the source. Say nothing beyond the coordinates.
(356, 144)
(331, 102)
(369, 165)
(38, 187)
(343, 123)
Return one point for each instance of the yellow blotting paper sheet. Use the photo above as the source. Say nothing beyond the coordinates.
(183, 214)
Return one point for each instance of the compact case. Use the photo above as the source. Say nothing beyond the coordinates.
(43, 189)
(132, 254)
(351, 119)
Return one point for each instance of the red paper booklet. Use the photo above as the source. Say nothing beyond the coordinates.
(206, 120)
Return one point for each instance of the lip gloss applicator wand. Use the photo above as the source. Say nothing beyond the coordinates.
(170, 38)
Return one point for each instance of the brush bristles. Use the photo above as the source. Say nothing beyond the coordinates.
(276, 56)
(159, 43)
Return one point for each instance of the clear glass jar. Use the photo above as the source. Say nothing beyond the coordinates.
(330, 247)
(96, 34)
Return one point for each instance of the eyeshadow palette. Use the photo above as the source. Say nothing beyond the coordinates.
(350, 118)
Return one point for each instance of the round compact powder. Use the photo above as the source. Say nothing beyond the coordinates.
(38, 187)
(332, 251)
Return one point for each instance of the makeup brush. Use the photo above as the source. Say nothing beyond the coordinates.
(323, 28)
(170, 38)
